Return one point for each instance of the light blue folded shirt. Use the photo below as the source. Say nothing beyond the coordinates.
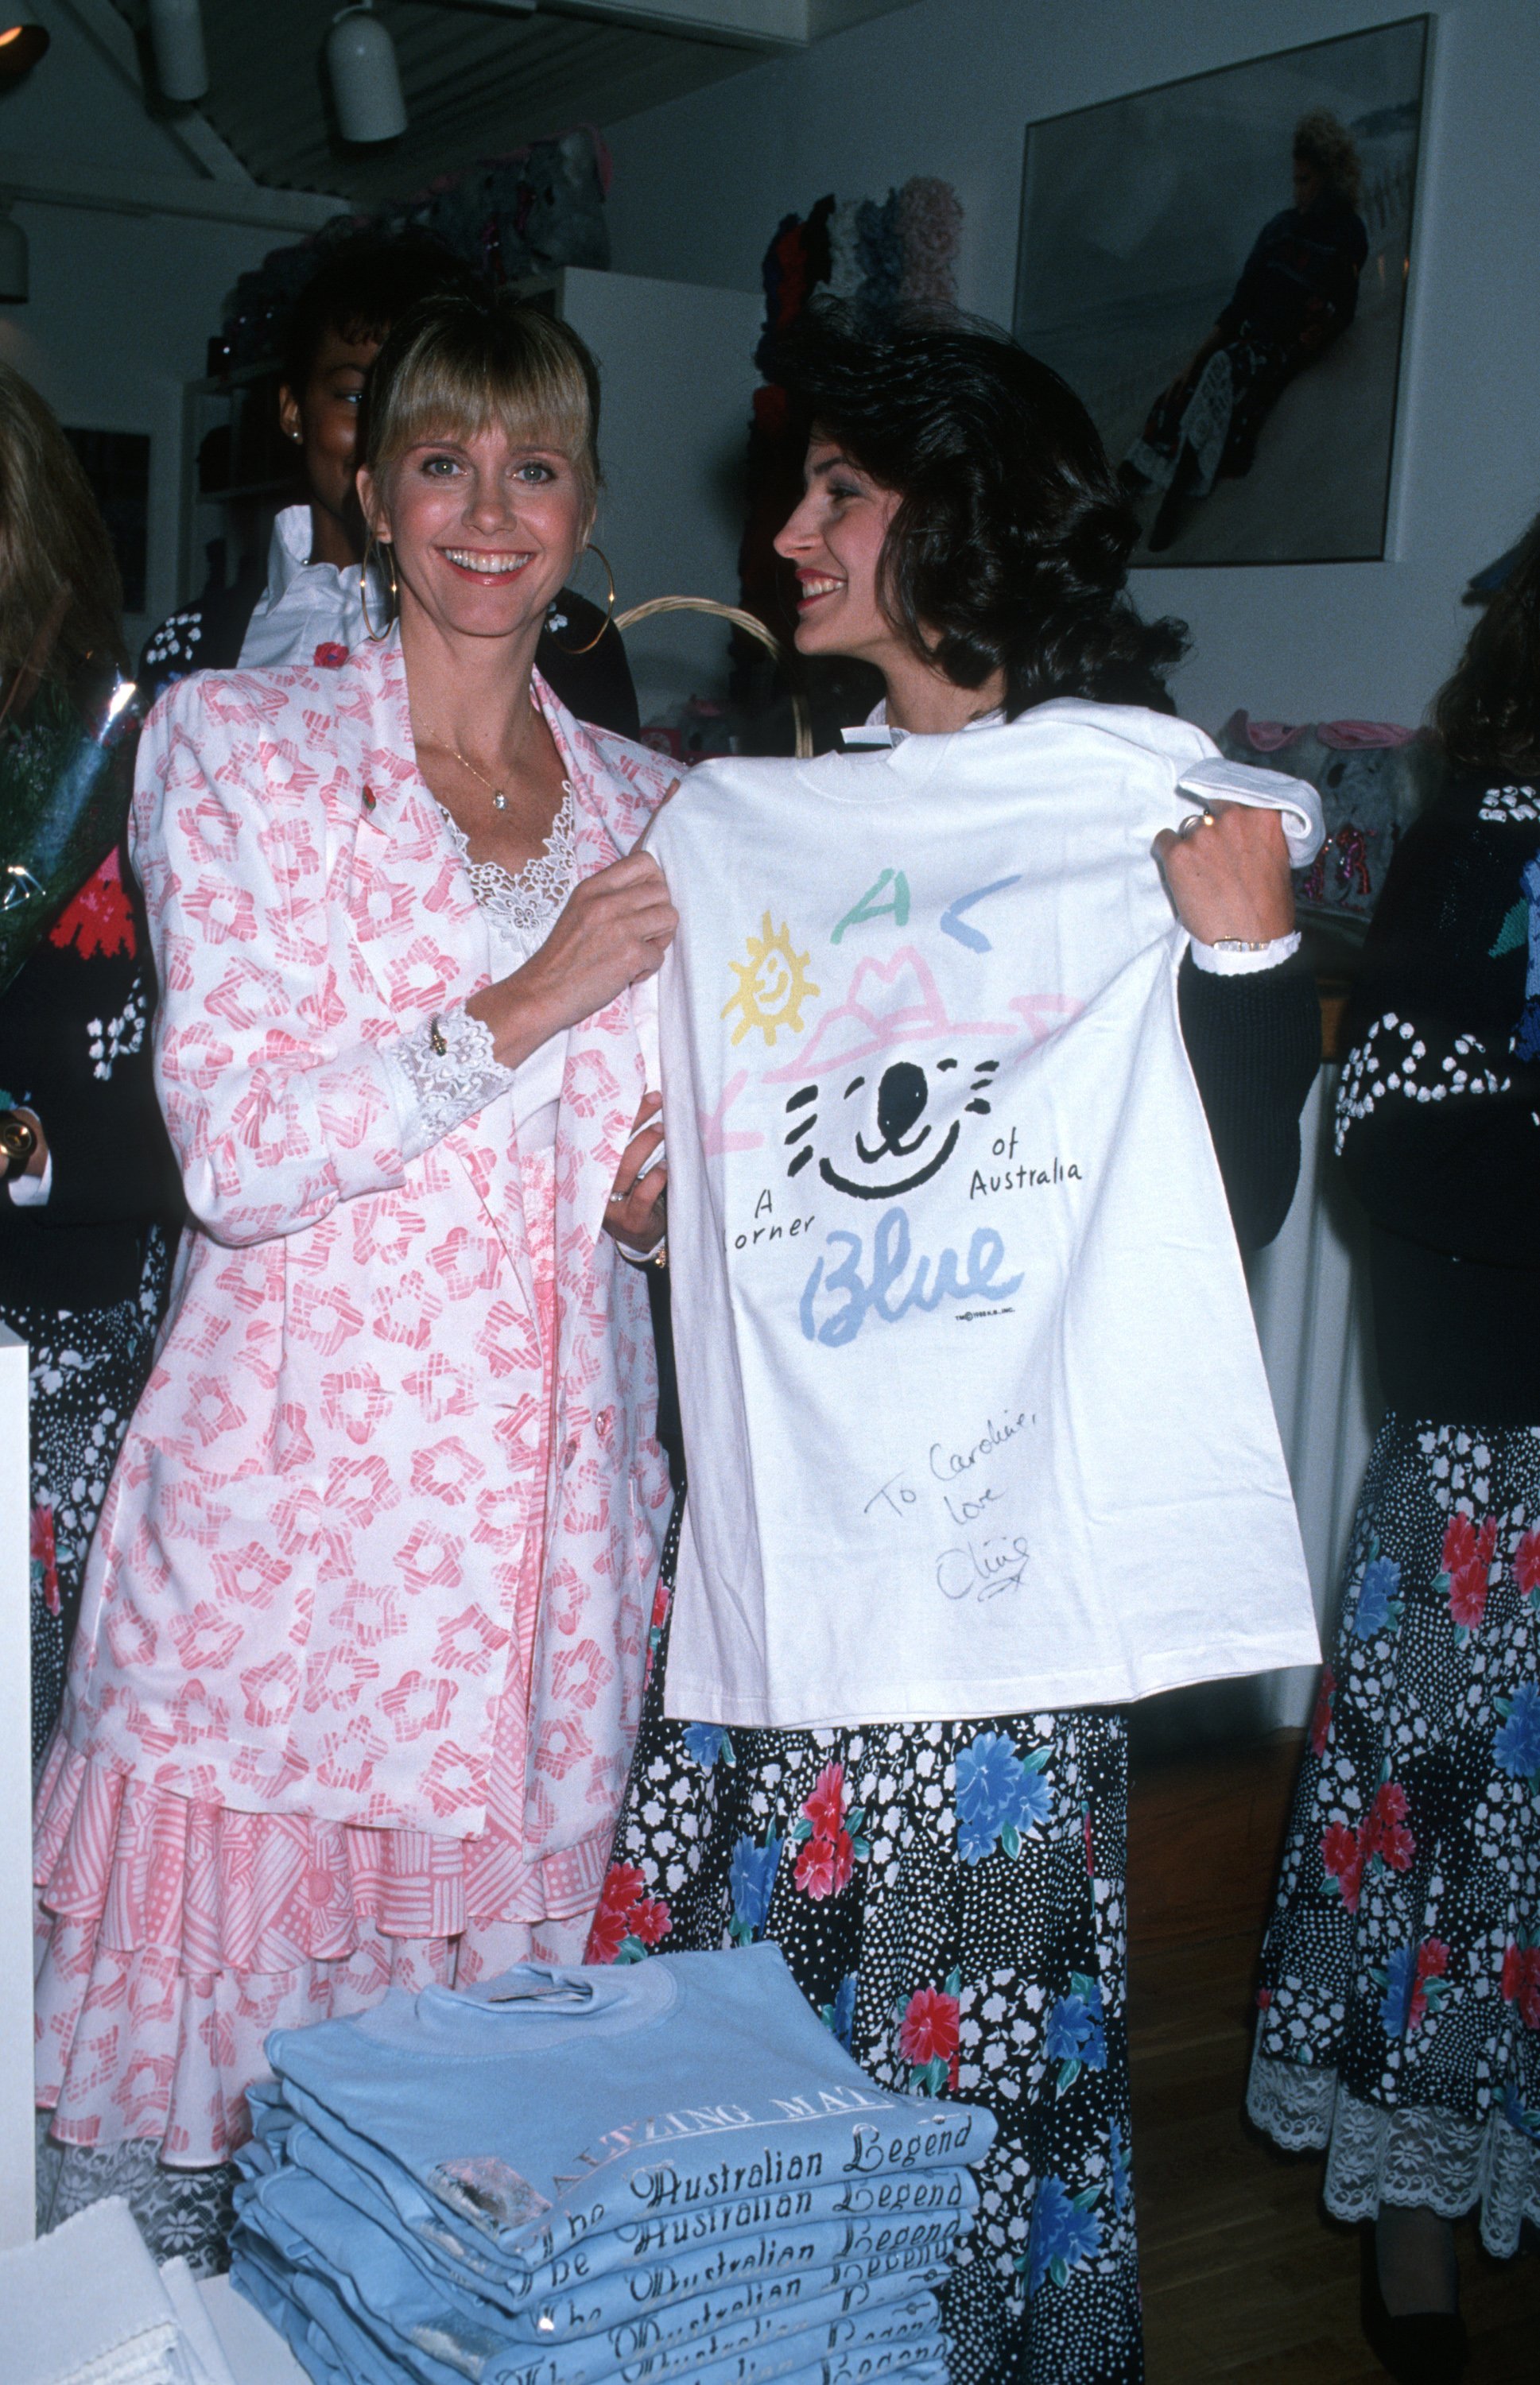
(915, 2248)
(553, 2104)
(357, 2345)
(443, 2243)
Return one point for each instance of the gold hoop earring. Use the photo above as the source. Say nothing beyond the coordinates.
(379, 547)
(609, 608)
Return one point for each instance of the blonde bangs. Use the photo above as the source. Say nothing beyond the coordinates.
(457, 367)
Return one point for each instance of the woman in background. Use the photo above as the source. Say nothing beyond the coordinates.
(1400, 1992)
(90, 1208)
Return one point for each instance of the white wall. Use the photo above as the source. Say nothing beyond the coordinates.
(678, 366)
(121, 305)
(946, 86)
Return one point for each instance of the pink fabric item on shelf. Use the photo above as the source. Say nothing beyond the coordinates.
(1266, 736)
(1354, 736)
(1342, 736)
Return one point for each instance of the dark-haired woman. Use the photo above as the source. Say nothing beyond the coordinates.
(1401, 2023)
(945, 1878)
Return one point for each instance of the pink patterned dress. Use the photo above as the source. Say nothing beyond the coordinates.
(360, 1655)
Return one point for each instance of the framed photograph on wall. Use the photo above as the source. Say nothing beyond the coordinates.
(1220, 267)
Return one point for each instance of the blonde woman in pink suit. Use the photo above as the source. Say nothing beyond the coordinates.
(364, 1627)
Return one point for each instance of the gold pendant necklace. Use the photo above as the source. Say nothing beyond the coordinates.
(499, 800)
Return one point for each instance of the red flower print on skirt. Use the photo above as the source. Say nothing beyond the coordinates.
(824, 1866)
(828, 1836)
(928, 2029)
(1467, 1562)
(1343, 1860)
(825, 1807)
(626, 1913)
(1522, 1979)
(44, 1557)
(1385, 1833)
(928, 2037)
(1526, 1564)
(1382, 1837)
(1432, 1961)
(650, 1920)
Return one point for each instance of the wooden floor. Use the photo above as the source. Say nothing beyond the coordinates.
(1245, 2277)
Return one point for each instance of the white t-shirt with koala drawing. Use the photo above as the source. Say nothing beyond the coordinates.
(974, 1415)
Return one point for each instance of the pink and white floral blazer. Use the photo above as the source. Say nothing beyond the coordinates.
(303, 1589)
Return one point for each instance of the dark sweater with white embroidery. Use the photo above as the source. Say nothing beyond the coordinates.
(75, 1048)
(1439, 1110)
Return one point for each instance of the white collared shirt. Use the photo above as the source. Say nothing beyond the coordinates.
(306, 604)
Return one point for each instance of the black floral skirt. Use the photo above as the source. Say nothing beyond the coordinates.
(949, 1897)
(1400, 1994)
(86, 1369)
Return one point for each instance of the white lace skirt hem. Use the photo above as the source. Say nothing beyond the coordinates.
(1409, 2156)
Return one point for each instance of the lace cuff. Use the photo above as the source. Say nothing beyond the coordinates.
(436, 1092)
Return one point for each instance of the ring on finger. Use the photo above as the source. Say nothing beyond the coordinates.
(1194, 821)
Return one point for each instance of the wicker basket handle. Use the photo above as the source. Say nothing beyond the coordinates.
(742, 620)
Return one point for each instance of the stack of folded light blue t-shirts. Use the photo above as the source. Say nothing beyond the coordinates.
(657, 2170)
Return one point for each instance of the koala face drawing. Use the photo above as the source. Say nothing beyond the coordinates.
(889, 1133)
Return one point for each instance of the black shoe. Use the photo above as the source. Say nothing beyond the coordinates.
(1420, 2347)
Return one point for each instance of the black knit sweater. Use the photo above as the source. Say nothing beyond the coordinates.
(75, 1048)
(1439, 1110)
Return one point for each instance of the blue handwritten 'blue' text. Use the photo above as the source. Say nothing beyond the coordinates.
(897, 1282)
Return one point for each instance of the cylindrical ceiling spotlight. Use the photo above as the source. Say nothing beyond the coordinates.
(366, 84)
(176, 37)
(14, 275)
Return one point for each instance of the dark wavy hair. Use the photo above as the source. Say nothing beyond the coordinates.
(364, 284)
(1009, 548)
(1486, 716)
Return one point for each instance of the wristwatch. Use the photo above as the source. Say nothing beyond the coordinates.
(18, 1143)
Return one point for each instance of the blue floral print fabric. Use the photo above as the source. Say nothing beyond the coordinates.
(1401, 1988)
(949, 1897)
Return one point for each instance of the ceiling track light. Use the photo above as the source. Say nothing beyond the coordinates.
(366, 83)
(20, 48)
(14, 261)
(176, 38)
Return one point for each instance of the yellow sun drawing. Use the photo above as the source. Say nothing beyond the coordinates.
(772, 984)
